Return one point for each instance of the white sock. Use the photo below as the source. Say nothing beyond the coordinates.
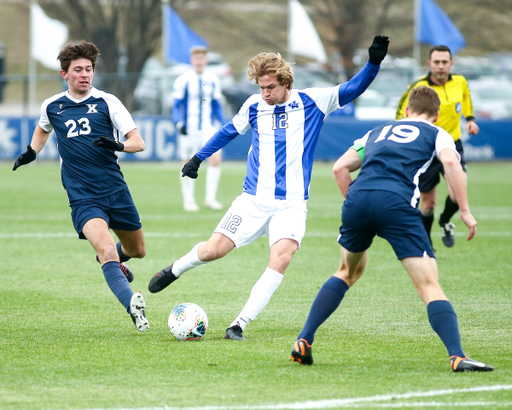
(261, 292)
(187, 262)
(187, 189)
(212, 183)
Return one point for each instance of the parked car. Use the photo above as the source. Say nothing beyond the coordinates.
(372, 105)
(492, 97)
(153, 93)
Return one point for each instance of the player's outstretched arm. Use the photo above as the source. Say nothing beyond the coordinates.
(38, 142)
(456, 180)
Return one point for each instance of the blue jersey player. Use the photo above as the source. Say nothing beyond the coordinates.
(286, 125)
(383, 201)
(89, 126)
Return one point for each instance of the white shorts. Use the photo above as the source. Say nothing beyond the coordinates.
(190, 144)
(248, 218)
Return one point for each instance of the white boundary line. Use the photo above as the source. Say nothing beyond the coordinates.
(42, 235)
(371, 401)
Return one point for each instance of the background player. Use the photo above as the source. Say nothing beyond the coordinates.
(88, 124)
(286, 125)
(197, 103)
(382, 201)
(453, 92)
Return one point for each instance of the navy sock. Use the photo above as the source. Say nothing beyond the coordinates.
(122, 256)
(427, 223)
(118, 283)
(450, 208)
(326, 302)
(443, 320)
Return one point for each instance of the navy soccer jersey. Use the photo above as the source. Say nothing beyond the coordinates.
(87, 171)
(396, 154)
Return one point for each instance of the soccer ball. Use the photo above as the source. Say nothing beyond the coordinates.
(188, 321)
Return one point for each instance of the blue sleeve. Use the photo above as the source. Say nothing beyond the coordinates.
(177, 111)
(218, 111)
(219, 140)
(358, 84)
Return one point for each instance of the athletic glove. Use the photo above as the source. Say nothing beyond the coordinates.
(108, 143)
(191, 167)
(378, 49)
(182, 128)
(25, 158)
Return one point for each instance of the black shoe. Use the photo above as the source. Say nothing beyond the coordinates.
(234, 333)
(301, 352)
(124, 268)
(161, 280)
(447, 233)
(465, 364)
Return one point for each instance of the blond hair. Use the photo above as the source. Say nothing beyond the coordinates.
(272, 64)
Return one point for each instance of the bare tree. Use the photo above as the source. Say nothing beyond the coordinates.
(127, 32)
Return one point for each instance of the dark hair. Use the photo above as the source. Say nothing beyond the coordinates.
(424, 100)
(440, 48)
(272, 64)
(73, 52)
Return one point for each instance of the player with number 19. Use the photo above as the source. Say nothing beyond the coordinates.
(89, 125)
(285, 126)
(382, 201)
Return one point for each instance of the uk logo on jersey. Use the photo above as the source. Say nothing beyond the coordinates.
(92, 109)
(293, 105)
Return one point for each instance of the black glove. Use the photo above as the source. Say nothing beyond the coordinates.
(108, 143)
(191, 167)
(378, 49)
(25, 158)
(182, 128)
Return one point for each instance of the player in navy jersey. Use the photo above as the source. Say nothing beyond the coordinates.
(286, 125)
(197, 103)
(383, 201)
(89, 125)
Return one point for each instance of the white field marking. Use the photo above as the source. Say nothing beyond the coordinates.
(371, 401)
(332, 234)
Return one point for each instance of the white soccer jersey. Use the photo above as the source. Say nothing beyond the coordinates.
(200, 95)
(284, 140)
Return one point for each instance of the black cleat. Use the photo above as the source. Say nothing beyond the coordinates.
(124, 268)
(127, 272)
(301, 352)
(447, 233)
(465, 364)
(161, 280)
(234, 333)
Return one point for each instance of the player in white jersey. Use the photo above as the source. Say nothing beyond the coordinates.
(88, 125)
(197, 103)
(286, 125)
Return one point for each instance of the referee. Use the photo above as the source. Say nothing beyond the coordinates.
(455, 101)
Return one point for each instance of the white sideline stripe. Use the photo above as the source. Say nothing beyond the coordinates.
(356, 401)
(332, 234)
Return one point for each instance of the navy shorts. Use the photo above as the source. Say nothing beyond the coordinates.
(385, 214)
(118, 210)
(432, 175)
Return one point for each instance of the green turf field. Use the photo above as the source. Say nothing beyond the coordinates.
(66, 342)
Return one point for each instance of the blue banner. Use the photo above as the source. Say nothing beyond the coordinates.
(179, 38)
(493, 142)
(436, 28)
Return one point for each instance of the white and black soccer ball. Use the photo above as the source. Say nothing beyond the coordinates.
(188, 321)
